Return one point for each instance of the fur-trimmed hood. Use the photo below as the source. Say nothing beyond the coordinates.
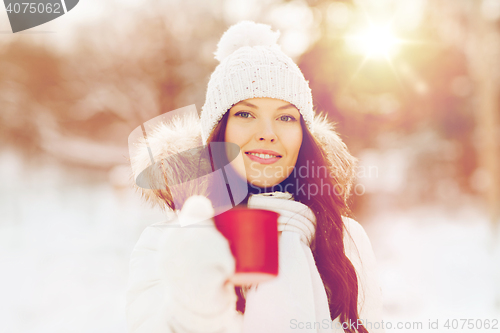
(182, 133)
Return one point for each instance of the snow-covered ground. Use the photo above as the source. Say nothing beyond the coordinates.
(65, 241)
(64, 249)
(437, 264)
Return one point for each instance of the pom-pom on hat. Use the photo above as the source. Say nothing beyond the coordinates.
(252, 65)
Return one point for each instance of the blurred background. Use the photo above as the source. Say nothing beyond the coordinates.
(413, 87)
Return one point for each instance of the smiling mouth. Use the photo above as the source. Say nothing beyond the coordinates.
(263, 156)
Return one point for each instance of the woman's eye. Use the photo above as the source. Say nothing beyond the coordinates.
(287, 118)
(243, 114)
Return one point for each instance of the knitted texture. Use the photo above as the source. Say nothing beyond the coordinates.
(253, 71)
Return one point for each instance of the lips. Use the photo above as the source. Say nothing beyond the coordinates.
(263, 156)
(263, 151)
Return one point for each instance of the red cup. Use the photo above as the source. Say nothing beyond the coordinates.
(253, 239)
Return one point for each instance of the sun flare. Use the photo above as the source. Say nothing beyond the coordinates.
(374, 42)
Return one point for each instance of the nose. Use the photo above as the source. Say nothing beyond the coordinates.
(267, 132)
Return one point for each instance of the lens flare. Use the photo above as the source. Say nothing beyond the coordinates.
(375, 42)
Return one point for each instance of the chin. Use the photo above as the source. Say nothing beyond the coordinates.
(264, 183)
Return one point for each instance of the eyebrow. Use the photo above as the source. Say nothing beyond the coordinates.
(289, 105)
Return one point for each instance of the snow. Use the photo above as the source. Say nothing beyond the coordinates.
(64, 249)
(436, 264)
(66, 238)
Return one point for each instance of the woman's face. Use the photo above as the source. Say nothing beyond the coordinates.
(269, 133)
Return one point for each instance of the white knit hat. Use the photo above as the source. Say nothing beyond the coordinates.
(252, 65)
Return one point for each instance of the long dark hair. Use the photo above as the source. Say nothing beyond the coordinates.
(336, 270)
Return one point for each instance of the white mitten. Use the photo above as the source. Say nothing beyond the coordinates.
(179, 276)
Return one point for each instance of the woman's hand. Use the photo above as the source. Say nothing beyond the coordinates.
(192, 265)
(197, 262)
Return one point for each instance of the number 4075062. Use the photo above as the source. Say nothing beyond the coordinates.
(27, 7)
(472, 324)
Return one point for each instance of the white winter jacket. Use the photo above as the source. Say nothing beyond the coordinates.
(151, 305)
(149, 301)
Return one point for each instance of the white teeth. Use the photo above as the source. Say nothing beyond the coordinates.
(263, 155)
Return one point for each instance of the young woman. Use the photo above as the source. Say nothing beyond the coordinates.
(292, 162)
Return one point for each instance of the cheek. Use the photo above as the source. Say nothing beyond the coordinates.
(294, 142)
(228, 135)
(234, 133)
